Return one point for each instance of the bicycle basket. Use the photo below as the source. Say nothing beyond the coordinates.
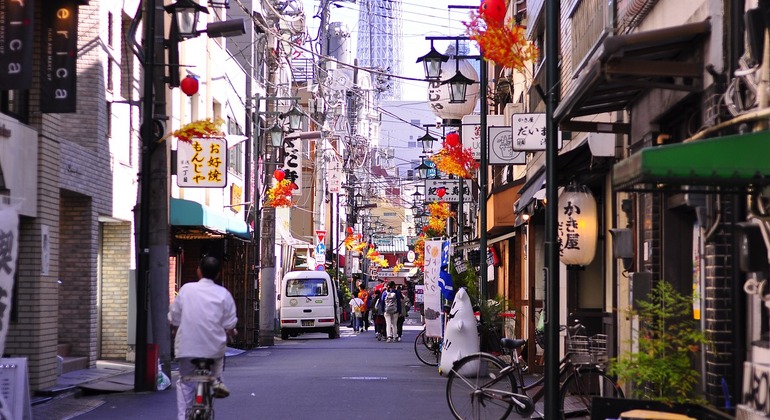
(579, 349)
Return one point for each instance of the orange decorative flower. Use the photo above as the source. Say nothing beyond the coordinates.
(198, 129)
(280, 194)
(419, 251)
(504, 43)
(454, 160)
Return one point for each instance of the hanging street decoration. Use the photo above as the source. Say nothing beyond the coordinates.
(279, 195)
(439, 212)
(503, 42)
(452, 159)
(202, 129)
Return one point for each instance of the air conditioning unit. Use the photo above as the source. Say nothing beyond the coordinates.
(511, 109)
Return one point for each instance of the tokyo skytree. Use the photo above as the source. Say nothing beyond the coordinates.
(379, 43)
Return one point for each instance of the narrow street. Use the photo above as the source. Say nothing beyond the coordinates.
(309, 377)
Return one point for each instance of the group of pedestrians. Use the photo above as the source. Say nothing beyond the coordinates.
(388, 308)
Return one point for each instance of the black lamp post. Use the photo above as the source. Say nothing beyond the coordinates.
(426, 142)
(186, 14)
(295, 116)
(432, 63)
(276, 135)
(458, 85)
(422, 170)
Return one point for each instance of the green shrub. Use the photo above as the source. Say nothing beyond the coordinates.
(668, 341)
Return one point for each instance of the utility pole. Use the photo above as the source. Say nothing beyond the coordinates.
(152, 242)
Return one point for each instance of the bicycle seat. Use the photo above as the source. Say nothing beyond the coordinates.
(202, 363)
(512, 343)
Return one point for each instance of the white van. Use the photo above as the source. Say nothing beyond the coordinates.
(309, 303)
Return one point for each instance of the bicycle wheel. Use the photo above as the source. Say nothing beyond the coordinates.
(477, 390)
(427, 349)
(581, 386)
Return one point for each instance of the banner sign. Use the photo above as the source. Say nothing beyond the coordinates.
(501, 148)
(9, 251)
(471, 132)
(58, 81)
(16, 44)
(451, 190)
(292, 162)
(432, 294)
(202, 162)
(334, 176)
(529, 132)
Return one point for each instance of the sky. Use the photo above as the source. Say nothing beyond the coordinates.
(420, 18)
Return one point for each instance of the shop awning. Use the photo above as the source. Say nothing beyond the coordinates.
(736, 162)
(398, 245)
(286, 238)
(627, 66)
(197, 221)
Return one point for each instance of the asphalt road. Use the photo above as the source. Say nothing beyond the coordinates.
(310, 377)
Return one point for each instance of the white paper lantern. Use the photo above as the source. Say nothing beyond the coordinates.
(578, 226)
(438, 95)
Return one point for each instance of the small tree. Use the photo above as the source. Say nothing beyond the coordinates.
(668, 339)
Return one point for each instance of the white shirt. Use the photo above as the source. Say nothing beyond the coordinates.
(356, 301)
(203, 311)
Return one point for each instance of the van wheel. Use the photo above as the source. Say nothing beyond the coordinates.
(284, 335)
(334, 332)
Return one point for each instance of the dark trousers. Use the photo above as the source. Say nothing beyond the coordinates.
(366, 319)
(400, 325)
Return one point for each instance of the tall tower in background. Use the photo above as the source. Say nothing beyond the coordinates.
(379, 42)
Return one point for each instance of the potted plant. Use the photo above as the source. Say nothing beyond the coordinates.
(661, 369)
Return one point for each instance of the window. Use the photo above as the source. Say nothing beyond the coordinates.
(109, 119)
(306, 288)
(389, 214)
(412, 144)
(235, 159)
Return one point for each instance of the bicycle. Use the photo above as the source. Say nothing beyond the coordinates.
(427, 349)
(202, 407)
(482, 385)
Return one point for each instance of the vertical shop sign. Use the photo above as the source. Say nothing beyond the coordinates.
(292, 162)
(58, 84)
(432, 293)
(202, 162)
(16, 28)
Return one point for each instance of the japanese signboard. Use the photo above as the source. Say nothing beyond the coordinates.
(471, 135)
(334, 176)
(9, 251)
(501, 148)
(16, 49)
(292, 162)
(432, 293)
(202, 162)
(60, 40)
(452, 189)
(529, 132)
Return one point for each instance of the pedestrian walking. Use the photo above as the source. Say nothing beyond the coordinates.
(363, 294)
(204, 314)
(405, 304)
(377, 316)
(356, 308)
(390, 306)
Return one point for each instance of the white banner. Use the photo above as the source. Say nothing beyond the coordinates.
(9, 251)
(202, 162)
(432, 294)
(472, 131)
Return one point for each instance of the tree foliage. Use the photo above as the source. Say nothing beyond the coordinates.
(662, 369)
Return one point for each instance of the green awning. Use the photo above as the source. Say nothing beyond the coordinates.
(193, 215)
(737, 162)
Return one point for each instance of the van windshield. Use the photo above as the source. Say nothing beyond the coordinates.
(307, 288)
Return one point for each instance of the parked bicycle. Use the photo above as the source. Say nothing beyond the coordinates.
(427, 349)
(202, 407)
(484, 386)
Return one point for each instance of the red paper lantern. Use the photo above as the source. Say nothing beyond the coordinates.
(189, 85)
(453, 139)
(279, 175)
(493, 12)
(441, 192)
(350, 229)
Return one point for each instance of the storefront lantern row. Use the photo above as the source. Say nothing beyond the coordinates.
(578, 226)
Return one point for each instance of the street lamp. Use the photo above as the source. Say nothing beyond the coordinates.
(422, 170)
(186, 14)
(276, 135)
(432, 63)
(221, 3)
(458, 88)
(295, 116)
(426, 142)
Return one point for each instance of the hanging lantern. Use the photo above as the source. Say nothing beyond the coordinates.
(189, 85)
(279, 175)
(441, 192)
(578, 226)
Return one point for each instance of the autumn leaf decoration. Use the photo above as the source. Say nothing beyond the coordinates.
(503, 42)
(452, 159)
(199, 129)
(376, 258)
(279, 195)
(439, 214)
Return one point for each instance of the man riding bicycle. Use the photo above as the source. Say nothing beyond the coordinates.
(204, 313)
